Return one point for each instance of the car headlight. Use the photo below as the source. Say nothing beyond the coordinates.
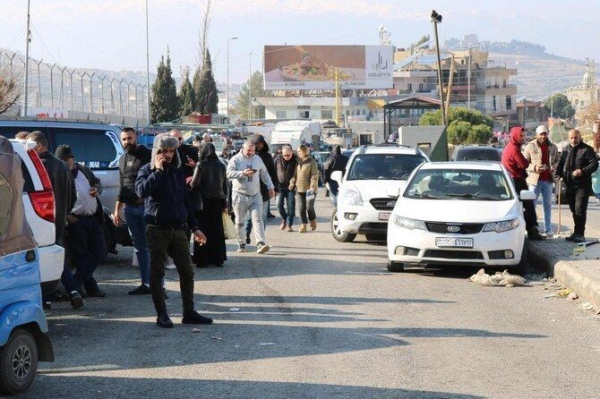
(503, 226)
(408, 223)
(352, 197)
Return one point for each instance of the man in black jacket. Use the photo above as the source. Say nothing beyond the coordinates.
(64, 199)
(577, 163)
(336, 161)
(285, 167)
(85, 235)
(131, 207)
(168, 213)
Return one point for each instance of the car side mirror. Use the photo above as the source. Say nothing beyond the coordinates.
(526, 195)
(337, 176)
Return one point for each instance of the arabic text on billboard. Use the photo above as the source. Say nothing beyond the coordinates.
(313, 67)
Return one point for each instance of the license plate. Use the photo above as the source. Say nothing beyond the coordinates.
(454, 242)
(384, 215)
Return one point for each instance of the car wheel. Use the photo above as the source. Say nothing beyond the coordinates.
(18, 362)
(337, 233)
(395, 267)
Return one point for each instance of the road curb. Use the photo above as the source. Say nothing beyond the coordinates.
(566, 274)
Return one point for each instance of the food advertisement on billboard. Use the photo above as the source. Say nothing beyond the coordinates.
(309, 67)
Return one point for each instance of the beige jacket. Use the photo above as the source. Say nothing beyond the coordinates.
(533, 153)
(307, 175)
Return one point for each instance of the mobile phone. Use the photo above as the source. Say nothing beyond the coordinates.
(255, 170)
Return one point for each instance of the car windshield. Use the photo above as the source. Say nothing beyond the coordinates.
(478, 154)
(459, 184)
(383, 166)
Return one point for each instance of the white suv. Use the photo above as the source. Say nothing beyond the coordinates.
(38, 200)
(369, 189)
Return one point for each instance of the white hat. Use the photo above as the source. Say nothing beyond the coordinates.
(541, 129)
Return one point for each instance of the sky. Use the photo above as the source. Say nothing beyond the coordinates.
(111, 34)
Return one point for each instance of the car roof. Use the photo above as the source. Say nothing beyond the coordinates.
(476, 148)
(494, 166)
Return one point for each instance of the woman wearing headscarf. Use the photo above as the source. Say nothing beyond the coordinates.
(210, 180)
(305, 182)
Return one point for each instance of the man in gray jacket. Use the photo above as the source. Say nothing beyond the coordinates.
(247, 170)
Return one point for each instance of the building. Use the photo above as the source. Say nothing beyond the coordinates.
(588, 92)
(530, 114)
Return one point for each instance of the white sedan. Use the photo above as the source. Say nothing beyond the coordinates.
(458, 213)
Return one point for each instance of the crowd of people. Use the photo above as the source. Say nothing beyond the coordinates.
(175, 192)
(539, 165)
(167, 196)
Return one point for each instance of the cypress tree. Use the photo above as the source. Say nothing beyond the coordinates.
(164, 104)
(207, 96)
(186, 97)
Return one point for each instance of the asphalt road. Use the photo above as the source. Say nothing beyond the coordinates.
(315, 318)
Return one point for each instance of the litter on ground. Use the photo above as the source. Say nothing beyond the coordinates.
(499, 279)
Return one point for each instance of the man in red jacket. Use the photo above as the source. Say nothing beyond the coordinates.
(516, 164)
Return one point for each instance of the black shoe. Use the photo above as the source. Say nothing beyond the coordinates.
(165, 293)
(270, 215)
(96, 293)
(163, 320)
(248, 241)
(195, 318)
(58, 296)
(47, 305)
(535, 235)
(578, 238)
(76, 300)
(571, 237)
(141, 290)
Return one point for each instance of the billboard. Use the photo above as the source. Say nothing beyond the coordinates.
(313, 67)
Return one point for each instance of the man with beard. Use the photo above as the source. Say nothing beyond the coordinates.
(169, 214)
(577, 164)
(130, 207)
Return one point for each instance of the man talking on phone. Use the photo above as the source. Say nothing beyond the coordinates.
(168, 213)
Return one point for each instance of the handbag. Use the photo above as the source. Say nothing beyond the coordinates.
(229, 227)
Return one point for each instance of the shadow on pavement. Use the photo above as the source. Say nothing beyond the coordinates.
(118, 387)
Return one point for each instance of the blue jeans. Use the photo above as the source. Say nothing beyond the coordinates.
(289, 196)
(544, 188)
(265, 212)
(134, 217)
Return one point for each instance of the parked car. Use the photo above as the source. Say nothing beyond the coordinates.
(369, 189)
(97, 146)
(320, 157)
(458, 213)
(23, 327)
(38, 202)
(477, 153)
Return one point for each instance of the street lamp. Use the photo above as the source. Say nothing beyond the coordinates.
(250, 92)
(227, 102)
(435, 20)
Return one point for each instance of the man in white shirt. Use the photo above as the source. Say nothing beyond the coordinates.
(84, 233)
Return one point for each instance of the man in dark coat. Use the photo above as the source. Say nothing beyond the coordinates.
(85, 234)
(64, 199)
(336, 161)
(169, 214)
(516, 164)
(576, 165)
(285, 166)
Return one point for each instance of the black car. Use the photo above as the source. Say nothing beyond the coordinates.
(477, 153)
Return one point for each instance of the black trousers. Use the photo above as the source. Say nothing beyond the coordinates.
(528, 206)
(174, 243)
(578, 202)
(306, 207)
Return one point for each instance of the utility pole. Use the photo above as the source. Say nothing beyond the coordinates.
(102, 79)
(81, 87)
(227, 103)
(71, 88)
(469, 78)
(28, 41)
(52, 84)
(147, 68)
(435, 20)
(552, 106)
(250, 92)
(62, 87)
